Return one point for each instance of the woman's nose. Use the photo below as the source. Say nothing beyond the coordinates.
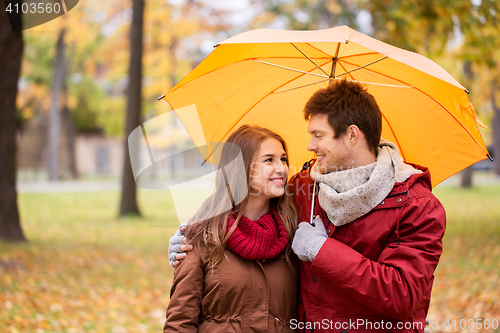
(281, 168)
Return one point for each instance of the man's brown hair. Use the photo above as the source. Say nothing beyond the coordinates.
(348, 103)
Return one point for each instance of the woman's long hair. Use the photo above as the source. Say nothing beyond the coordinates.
(211, 231)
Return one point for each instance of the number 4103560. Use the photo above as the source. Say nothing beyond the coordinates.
(472, 324)
(34, 8)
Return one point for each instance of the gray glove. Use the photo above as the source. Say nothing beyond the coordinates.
(309, 239)
(174, 245)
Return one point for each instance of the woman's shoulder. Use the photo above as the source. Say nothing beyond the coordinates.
(195, 259)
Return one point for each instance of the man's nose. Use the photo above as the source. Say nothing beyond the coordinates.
(312, 146)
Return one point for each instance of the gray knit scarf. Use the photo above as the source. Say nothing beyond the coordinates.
(349, 194)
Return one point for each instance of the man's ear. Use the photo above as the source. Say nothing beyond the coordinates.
(353, 135)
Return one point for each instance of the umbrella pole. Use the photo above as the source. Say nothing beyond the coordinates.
(334, 64)
(312, 206)
(332, 74)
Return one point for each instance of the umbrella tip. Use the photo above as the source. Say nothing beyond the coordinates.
(491, 158)
(468, 92)
(160, 98)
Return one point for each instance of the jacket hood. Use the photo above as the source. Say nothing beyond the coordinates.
(424, 177)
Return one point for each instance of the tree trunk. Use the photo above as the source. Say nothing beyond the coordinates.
(128, 202)
(68, 125)
(496, 132)
(70, 142)
(173, 60)
(11, 51)
(466, 174)
(55, 113)
(466, 180)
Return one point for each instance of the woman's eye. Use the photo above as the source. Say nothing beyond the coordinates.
(269, 160)
(283, 159)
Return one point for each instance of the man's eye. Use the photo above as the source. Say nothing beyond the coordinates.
(318, 136)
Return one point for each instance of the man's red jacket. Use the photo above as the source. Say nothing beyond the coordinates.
(374, 274)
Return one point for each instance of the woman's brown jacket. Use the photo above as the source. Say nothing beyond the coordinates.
(238, 295)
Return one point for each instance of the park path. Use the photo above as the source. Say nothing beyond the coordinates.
(72, 186)
(68, 186)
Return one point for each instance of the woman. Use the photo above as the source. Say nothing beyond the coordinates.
(242, 275)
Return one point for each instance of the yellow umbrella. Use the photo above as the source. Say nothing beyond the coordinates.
(265, 77)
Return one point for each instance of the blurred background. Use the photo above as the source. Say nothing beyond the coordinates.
(83, 250)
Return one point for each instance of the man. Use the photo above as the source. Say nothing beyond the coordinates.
(372, 269)
(368, 260)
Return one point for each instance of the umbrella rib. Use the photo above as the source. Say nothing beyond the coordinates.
(344, 57)
(413, 87)
(177, 86)
(173, 109)
(382, 74)
(395, 137)
(358, 55)
(295, 70)
(454, 117)
(304, 85)
(305, 55)
(345, 69)
(242, 116)
(355, 69)
(288, 68)
(378, 84)
(314, 47)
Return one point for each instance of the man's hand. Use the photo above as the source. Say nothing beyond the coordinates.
(177, 246)
(309, 239)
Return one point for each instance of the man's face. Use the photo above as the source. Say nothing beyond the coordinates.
(333, 154)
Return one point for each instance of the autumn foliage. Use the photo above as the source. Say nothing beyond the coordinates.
(86, 271)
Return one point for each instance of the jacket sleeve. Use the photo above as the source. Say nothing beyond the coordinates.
(396, 282)
(184, 308)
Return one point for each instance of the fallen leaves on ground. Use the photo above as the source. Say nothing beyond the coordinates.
(84, 270)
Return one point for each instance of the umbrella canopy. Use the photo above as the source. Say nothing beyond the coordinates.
(265, 77)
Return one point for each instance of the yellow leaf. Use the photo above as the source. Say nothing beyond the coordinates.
(112, 314)
(55, 307)
(113, 305)
(8, 305)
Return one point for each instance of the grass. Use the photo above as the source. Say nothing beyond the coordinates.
(84, 270)
(467, 283)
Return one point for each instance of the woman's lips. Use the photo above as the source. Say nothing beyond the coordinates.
(278, 181)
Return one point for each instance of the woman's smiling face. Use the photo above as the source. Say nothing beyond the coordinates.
(269, 170)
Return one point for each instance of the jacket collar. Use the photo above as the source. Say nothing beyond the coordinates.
(400, 193)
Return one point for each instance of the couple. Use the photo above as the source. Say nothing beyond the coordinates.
(366, 262)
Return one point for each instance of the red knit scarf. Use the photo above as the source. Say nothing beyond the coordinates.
(260, 239)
